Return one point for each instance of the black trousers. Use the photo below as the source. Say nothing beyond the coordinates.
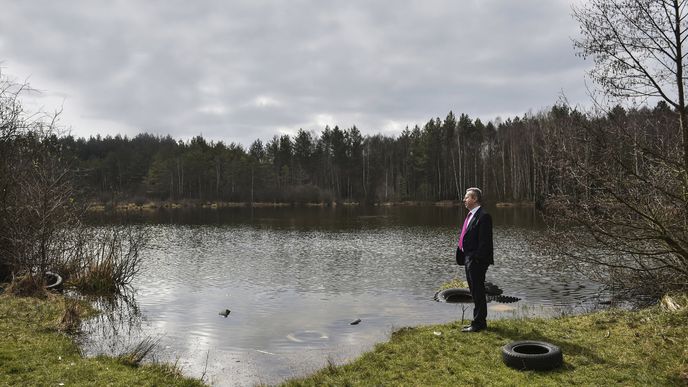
(475, 276)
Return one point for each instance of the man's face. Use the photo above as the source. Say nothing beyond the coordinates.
(469, 201)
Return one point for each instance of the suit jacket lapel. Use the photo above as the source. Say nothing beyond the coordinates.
(474, 220)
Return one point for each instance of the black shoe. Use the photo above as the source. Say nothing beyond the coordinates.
(472, 328)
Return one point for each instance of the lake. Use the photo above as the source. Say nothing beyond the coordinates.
(294, 279)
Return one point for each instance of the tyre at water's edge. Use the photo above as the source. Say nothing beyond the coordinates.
(57, 280)
(454, 295)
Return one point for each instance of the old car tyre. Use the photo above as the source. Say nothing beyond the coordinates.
(532, 355)
(454, 295)
(54, 280)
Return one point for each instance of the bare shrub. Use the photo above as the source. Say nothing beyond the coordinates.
(42, 212)
(623, 180)
(39, 202)
(107, 260)
(617, 209)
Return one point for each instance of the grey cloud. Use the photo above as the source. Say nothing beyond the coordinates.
(240, 70)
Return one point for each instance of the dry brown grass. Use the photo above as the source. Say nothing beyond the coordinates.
(28, 286)
(70, 322)
(135, 356)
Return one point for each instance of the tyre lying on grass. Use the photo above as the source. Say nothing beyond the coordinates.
(532, 355)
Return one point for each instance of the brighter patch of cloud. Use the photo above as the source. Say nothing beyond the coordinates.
(213, 109)
(392, 126)
(263, 101)
(323, 119)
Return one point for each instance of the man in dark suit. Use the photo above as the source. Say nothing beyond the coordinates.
(475, 252)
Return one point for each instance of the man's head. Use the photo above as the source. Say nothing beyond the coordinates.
(473, 198)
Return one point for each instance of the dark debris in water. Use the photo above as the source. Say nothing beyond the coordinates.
(503, 299)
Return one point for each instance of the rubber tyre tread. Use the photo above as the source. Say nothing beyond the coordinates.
(550, 359)
(503, 299)
(454, 295)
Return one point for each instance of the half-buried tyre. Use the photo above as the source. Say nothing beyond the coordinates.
(53, 280)
(454, 296)
(532, 355)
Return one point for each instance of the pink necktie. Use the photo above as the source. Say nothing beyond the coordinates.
(463, 229)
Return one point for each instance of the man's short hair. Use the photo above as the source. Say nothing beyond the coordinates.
(476, 193)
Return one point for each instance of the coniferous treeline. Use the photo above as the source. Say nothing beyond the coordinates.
(510, 160)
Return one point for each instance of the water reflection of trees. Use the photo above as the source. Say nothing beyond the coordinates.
(116, 327)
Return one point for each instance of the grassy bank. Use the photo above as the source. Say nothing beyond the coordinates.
(631, 348)
(33, 352)
(614, 347)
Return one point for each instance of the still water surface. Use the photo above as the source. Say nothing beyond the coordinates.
(295, 278)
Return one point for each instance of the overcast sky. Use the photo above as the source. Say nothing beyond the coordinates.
(241, 70)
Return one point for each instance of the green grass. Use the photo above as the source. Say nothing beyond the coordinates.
(631, 348)
(33, 352)
(454, 283)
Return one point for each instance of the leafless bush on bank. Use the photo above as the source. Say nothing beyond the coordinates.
(106, 259)
(41, 211)
(621, 199)
(618, 212)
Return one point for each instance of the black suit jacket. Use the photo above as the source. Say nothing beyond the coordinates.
(477, 242)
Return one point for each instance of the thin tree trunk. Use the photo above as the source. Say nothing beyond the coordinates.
(217, 180)
(683, 115)
(456, 182)
(251, 185)
(504, 171)
(441, 182)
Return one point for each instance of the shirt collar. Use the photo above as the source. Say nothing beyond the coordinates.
(473, 211)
